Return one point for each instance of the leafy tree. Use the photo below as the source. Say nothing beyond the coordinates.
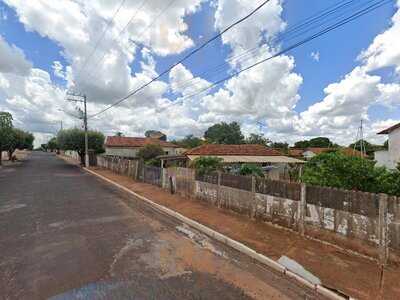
(224, 133)
(150, 152)
(302, 144)
(74, 140)
(52, 144)
(251, 169)
(18, 139)
(335, 169)
(6, 130)
(43, 147)
(119, 133)
(207, 164)
(257, 139)
(369, 148)
(189, 141)
(280, 145)
(320, 142)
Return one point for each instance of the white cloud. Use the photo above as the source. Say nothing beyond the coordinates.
(12, 59)
(315, 55)
(58, 70)
(385, 49)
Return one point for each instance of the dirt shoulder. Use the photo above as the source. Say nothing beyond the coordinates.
(357, 276)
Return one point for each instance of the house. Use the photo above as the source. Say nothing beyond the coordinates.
(391, 157)
(272, 161)
(130, 146)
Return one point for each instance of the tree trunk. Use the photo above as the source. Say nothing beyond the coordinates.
(82, 156)
(10, 153)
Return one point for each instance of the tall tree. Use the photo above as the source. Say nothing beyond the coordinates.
(369, 148)
(280, 145)
(224, 133)
(259, 139)
(74, 140)
(189, 141)
(18, 139)
(6, 131)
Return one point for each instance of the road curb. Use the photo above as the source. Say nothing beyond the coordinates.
(229, 242)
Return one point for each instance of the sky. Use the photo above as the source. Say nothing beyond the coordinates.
(106, 49)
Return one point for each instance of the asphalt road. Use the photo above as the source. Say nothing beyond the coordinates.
(67, 235)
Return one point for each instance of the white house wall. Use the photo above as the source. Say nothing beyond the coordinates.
(394, 147)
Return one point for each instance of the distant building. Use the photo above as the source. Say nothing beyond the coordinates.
(391, 157)
(273, 162)
(130, 146)
(309, 153)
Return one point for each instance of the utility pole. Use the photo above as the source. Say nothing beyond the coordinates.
(360, 137)
(81, 98)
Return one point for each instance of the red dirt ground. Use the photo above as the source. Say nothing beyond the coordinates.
(354, 275)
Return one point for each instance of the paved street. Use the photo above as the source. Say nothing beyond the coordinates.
(66, 235)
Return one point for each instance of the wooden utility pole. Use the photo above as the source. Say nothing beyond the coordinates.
(81, 98)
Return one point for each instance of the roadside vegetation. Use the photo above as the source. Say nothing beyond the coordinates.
(337, 170)
(12, 138)
(74, 140)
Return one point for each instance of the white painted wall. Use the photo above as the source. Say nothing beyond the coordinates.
(308, 154)
(390, 158)
(382, 158)
(394, 146)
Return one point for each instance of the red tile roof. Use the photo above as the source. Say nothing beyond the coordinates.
(124, 141)
(390, 129)
(352, 152)
(296, 152)
(241, 150)
(319, 150)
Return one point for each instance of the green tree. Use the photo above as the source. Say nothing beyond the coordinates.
(224, 133)
(119, 133)
(189, 141)
(280, 145)
(18, 139)
(149, 154)
(369, 148)
(319, 142)
(6, 131)
(52, 144)
(251, 169)
(302, 144)
(74, 140)
(259, 139)
(207, 164)
(335, 169)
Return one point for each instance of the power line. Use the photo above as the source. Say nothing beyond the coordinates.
(183, 59)
(317, 20)
(310, 38)
(100, 38)
(137, 10)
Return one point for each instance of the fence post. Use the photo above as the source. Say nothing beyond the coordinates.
(383, 229)
(218, 189)
(302, 209)
(253, 212)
